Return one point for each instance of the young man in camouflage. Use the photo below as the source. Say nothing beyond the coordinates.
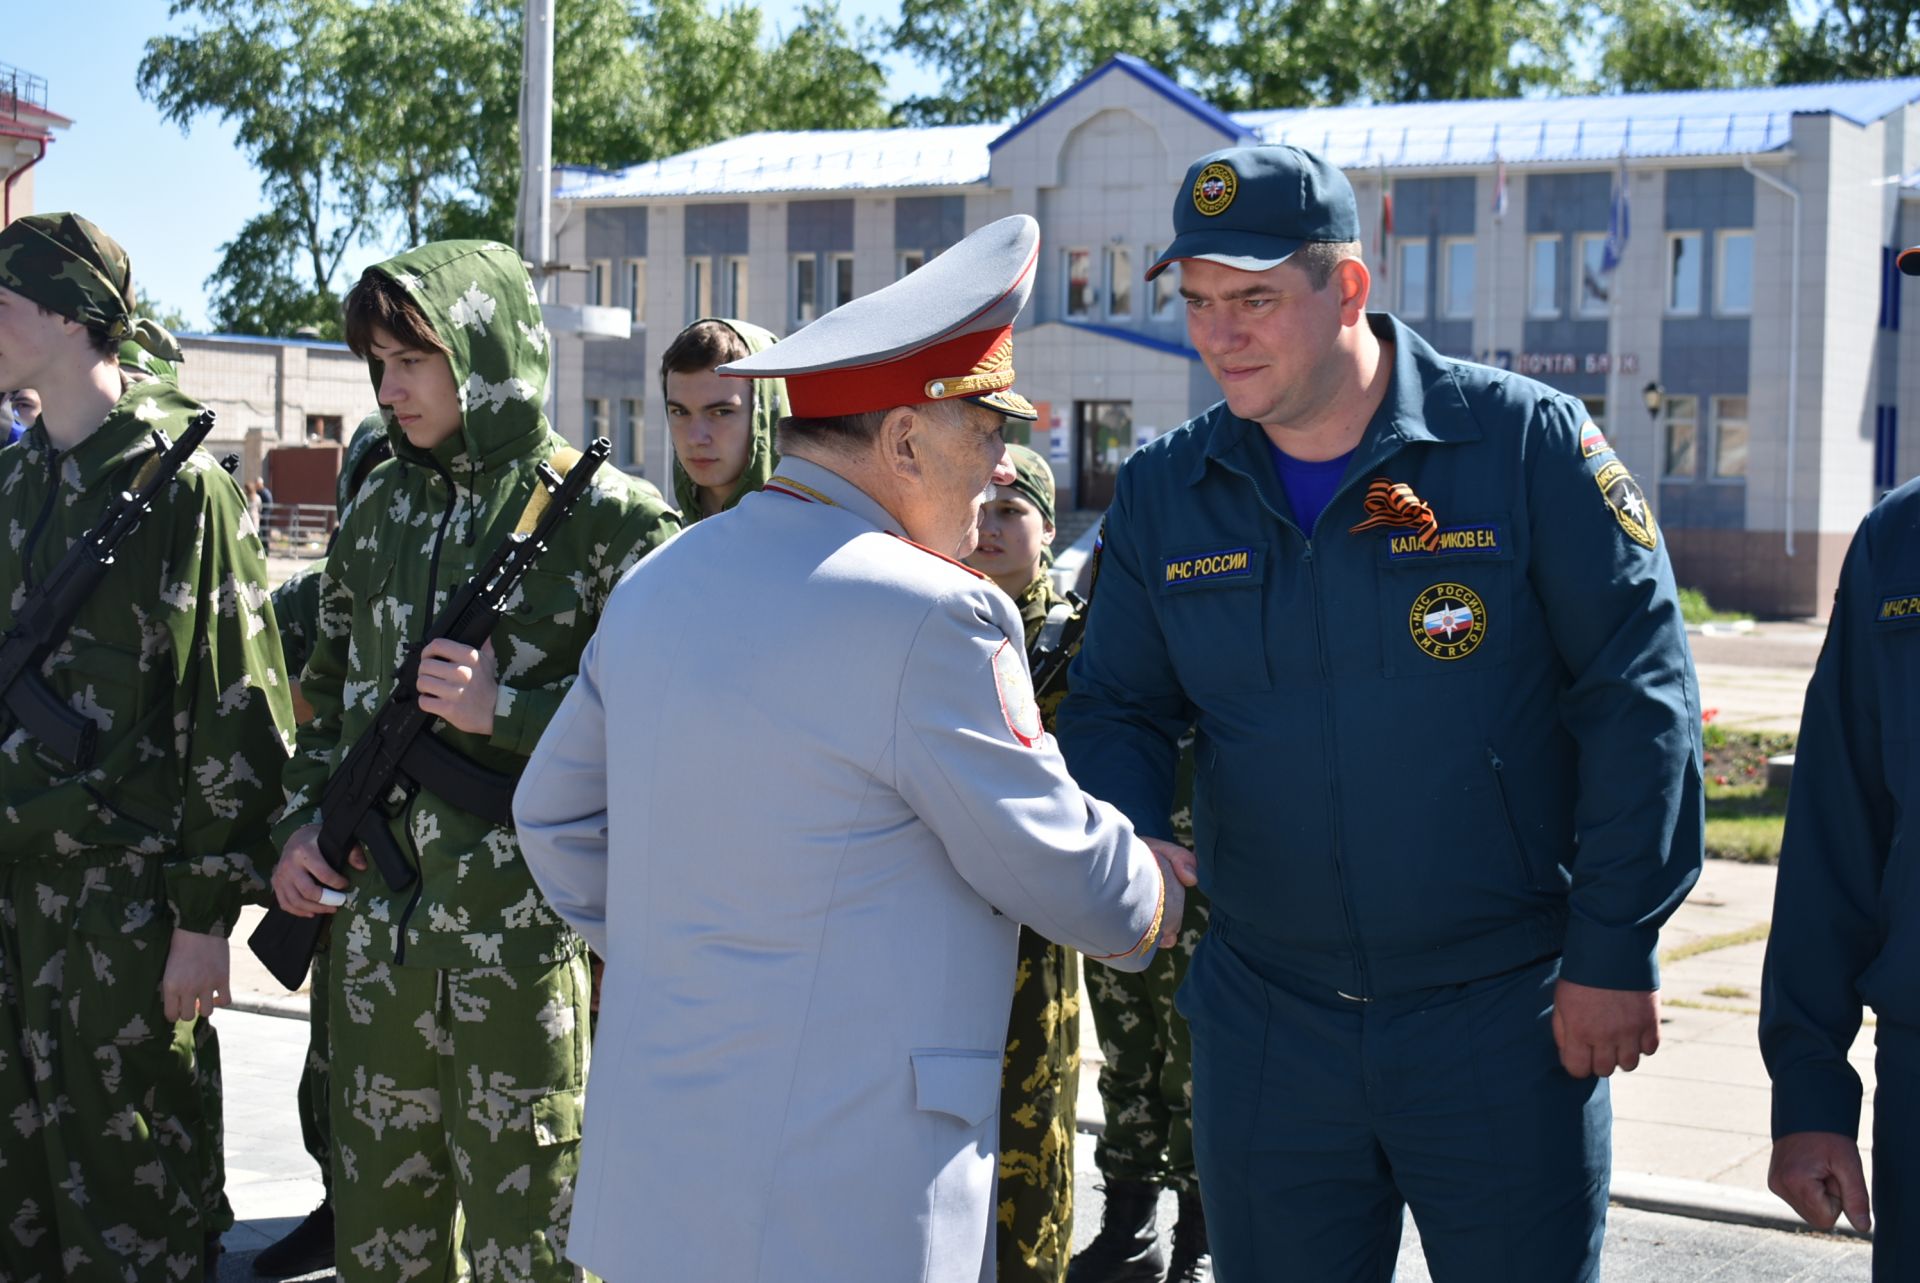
(458, 1009)
(120, 878)
(722, 429)
(1040, 1074)
(296, 603)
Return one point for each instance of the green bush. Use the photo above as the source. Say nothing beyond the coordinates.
(1695, 609)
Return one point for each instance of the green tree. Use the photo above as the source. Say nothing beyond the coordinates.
(1853, 40)
(1653, 45)
(257, 287)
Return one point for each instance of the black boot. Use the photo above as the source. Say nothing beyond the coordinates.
(307, 1249)
(210, 1249)
(1127, 1248)
(1192, 1262)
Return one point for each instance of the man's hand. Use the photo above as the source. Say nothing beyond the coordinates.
(1819, 1175)
(457, 684)
(303, 873)
(195, 979)
(1180, 870)
(1600, 1030)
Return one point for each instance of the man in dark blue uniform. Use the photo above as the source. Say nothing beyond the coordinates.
(1448, 780)
(1846, 913)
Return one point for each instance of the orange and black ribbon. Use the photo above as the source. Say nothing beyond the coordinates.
(1393, 503)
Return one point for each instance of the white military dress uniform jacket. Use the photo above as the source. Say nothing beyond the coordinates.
(809, 911)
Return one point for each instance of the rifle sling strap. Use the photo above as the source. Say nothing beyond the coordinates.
(562, 463)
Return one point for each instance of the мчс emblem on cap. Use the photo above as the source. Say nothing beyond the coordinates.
(1448, 621)
(1215, 188)
(1628, 502)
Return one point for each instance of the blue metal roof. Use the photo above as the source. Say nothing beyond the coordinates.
(1597, 129)
(1130, 336)
(261, 340)
(1708, 122)
(1230, 129)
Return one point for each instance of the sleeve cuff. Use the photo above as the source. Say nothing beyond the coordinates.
(520, 717)
(1817, 1097)
(1611, 957)
(203, 896)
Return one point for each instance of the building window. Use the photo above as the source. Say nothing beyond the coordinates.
(637, 289)
(1543, 276)
(841, 268)
(1457, 255)
(1596, 411)
(699, 288)
(1595, 289)
(1683, 273)
(1119, 282)
(1079, 292)
(736, 291)
(1730, 436)
(1890, 278)
(1682, 416)
(596, 417)
(599, 283)
(911, 261)
(806, 289)
(1163, 292)
(633, 439)
(1886, 448)
(1412, 254)
(1734, 276)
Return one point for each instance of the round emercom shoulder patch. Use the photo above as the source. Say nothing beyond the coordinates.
(1215, 189)
(1448, 621)
(1016, 694)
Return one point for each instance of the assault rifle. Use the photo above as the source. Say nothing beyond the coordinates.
(43, 619)
(1057, 644)
(398, 755)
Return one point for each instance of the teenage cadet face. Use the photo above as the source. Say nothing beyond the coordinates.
(30, 340)
(418, 388)
(1013, 534)
(712, 427)
(1269, 337)
(960, 453)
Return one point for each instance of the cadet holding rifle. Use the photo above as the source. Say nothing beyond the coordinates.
(458, 1000)
(135, 596)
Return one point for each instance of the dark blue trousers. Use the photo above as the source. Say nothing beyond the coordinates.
(1896, 1154)
(1318, 1119)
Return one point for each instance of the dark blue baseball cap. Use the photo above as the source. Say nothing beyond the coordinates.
(1251, 208)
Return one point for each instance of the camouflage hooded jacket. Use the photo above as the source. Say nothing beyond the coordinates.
(418, 529)
(769, 398)
(177, 660)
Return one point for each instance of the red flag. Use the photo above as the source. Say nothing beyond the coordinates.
(1386, 224)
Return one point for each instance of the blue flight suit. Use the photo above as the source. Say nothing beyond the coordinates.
(1846, 914)
(1431, 777)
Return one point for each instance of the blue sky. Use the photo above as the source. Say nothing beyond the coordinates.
(172, 199)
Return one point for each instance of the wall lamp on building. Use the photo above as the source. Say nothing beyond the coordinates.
(1651, 395)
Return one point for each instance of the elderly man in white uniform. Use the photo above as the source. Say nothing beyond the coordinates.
(809, 908)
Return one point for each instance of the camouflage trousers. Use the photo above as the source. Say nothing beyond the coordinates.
(213, 1121)
(315, 1095)
(457, 1096)
(103, 1170)
(1146, 1086)
(1039, 1081)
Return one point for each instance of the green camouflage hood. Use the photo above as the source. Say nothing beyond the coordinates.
(137, 360)
(369, 437)
(769, 407)
(72, 268)
(480, 301)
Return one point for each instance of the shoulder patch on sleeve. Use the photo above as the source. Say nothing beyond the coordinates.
(1628, 503)
(1592, 440)
(951, 561)
(1016, 694)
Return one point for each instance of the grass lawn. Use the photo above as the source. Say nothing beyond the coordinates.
(1744, 817)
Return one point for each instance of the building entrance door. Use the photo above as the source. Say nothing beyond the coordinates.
(1105, 432)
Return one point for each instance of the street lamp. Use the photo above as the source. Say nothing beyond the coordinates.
(1651, 395)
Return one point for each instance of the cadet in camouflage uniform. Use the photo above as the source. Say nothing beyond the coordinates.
(733, 453)
(459, 1009)
(119, 881)
(1040, 1074)
(296, 603)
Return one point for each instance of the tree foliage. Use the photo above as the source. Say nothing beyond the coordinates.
(383, 121)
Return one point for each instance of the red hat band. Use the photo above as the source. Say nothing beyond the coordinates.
(970, 365)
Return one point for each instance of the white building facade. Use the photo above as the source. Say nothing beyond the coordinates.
(1746, 358)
